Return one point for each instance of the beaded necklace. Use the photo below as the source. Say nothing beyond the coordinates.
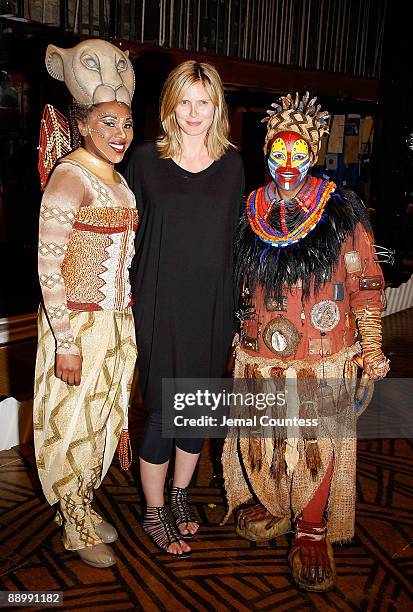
(295, 218)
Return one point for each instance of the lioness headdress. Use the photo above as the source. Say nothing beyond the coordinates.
(94, 71)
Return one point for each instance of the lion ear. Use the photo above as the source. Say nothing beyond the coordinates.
(126, 53)
(54, 60)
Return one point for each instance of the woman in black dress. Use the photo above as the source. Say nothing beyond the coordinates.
(188, 188)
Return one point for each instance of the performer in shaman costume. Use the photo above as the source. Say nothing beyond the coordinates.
(86, 352)
(309, 271)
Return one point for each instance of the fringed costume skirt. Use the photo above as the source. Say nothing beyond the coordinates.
(283, 469)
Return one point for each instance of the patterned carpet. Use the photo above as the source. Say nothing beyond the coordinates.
(224, 572)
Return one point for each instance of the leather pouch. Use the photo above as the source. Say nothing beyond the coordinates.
(318, 346)
(371, 282)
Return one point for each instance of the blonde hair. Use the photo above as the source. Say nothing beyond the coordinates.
(169, 143)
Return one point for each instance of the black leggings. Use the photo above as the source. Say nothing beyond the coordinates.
(156, 449)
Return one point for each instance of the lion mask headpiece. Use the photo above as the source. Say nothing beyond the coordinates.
(94, 71)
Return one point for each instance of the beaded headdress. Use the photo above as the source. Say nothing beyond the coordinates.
(54, 141)
(301, 116)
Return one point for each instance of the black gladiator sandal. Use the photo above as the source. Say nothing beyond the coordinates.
(182, 510)
(158, 526)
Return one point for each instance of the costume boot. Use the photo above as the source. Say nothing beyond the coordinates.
(311, 555)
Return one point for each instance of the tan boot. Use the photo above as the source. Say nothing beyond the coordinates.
(98, 555)
(258, 531)
(106, 532)
(257, 524)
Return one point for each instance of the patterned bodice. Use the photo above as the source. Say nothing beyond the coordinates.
(99, 253)
(86, 244)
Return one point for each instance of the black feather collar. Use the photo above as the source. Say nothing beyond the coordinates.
(314, 256)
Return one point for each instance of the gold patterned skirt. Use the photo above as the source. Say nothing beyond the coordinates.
(77, 429)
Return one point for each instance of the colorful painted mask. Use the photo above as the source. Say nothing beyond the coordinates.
(288, 160)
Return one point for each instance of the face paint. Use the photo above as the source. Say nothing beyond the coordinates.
(288, 160)
(109, 131)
